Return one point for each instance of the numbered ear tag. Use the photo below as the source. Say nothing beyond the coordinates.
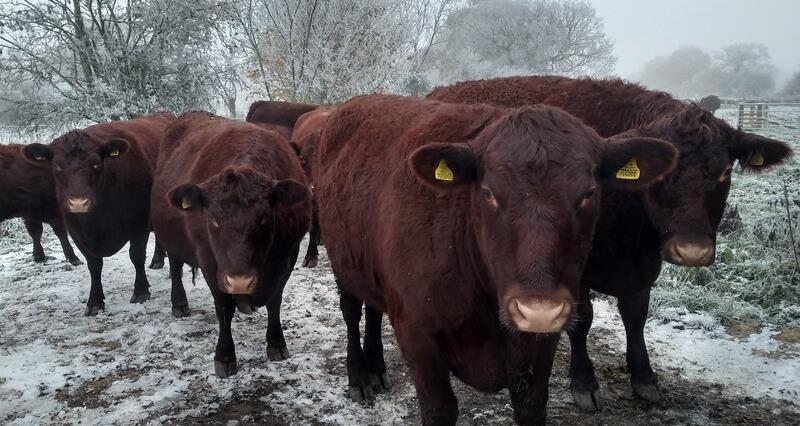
(186, 204)
(114, 153)
(629, 171)
(757, 159)
(443, 172)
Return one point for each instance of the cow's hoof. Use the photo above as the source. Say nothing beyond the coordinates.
(380, 382)
(244, 307)
(93, 310)
(181, 311)
(647, 391)
(39, 257)
(140, 298)
(156, 264)
(225, 369)
(588, 400)
(278, 354)
(361, 394)
(310, 262)
(75, 261)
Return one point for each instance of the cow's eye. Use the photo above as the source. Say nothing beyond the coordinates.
(726, 174)
(488, 196)
(214, 223)
(587, 197)
(96, 166)
(58, 169)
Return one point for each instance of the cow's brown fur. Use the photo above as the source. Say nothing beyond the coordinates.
(27, 190)
(636, 230)
(277, 112)
(444, 259)
(238, 221)
(117, 187)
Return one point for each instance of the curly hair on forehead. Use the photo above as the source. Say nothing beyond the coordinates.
(75, 142)
(240, 185)
(694, 124)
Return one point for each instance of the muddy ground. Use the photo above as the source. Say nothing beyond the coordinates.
(136, 364)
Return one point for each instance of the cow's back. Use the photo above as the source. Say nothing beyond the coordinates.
(277, 112)
(609, 106)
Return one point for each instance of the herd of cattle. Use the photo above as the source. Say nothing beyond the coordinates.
(477, 219)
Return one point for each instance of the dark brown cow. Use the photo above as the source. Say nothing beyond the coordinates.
(27, 190)
(229, 198)
(469, 226)
(276, 112)
(304, 141)
(675, 220)
(103, 175)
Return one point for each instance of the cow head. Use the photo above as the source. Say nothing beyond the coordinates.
(687, 206)
(534, 181)
(80, 163)
(243, 213)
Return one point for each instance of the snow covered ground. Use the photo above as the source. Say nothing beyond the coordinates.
(138, 364)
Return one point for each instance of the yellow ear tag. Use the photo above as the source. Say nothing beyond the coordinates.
(757, 159)
(114, 153)
(443, 172)
(185, 204)
(629, 171)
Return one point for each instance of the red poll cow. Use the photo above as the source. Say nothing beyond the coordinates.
(230, 198)
(27, 190)
(675, 220)
(304, 141)
(276, 112)
(103, 175)
(469, 226)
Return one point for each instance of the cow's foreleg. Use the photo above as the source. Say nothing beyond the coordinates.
(633, 309)
(180, 306)
(431, 374)
(96, 301)
(61, 232)
(373, 350)
(360, 388)
(583, 384)
(138, 255)
(276, 344)
(529, 384)
(35, 231)
(225, 353)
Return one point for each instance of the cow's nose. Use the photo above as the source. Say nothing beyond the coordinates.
(78, 205)
(540, 313)
(691, 253)
(240, 284)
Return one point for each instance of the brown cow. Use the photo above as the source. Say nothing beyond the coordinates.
(276, 112)
(304, 141)
(675, 220)
(469, 226)
(103, 175)
(229, 198)
(27, 190)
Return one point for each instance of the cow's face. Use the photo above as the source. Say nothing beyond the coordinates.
(80, 164)
(239, 210)
(534, 179)
(687, 206)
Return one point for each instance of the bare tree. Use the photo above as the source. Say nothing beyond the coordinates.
(792, 88)
(502, 37)
(747, 70)
(324, 50)
(99, 60)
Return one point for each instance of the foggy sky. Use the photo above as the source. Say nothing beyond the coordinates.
(643, 29)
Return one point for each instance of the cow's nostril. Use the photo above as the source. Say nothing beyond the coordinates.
(693, 254)
(240, 284)
(78, 205)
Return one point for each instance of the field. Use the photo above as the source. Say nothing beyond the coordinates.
(725, 341)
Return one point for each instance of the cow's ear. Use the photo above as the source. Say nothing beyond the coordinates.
(113, 148)
(37, 152)
(444, 166)
(287, 192)
(633, 162)
(187, 197)
(758, 153)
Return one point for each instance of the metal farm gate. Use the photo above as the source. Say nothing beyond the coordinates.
(767, 116)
